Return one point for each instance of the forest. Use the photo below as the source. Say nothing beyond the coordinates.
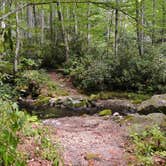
(82, 82)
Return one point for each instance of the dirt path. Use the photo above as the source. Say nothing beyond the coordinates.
(90, 141)
(64, 82)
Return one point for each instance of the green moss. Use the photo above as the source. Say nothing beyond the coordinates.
(79, 104)
(92, 156)
(105, 112)
(126, 119)
(94, 97)
(42, 100)
(137, 101)
(135, 97)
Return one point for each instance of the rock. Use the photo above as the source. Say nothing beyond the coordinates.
(92, 156)
(156, 103)
(116, 114)
(139, 123)
(117, 105)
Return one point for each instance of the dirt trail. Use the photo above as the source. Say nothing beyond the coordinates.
(90, 141)
(65, 83)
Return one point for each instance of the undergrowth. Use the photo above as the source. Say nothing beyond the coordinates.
(149, 144)
(16, 127)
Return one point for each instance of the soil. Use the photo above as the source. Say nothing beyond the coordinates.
(90, 141)
(64, 82)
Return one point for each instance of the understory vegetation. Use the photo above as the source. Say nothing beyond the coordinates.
(105, 49)
(150, 146)
(17, 127)
(128, 72)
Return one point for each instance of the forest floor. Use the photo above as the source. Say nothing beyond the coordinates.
(88, 140)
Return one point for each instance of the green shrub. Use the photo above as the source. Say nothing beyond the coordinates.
(126, 72)
(7, 92)
(149, 143)
(28, 64)
(6, 67)
(38, 82)
(11, 121)
(39, 76)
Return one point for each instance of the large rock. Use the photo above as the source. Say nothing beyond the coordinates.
(138, 123)
(117, 105)
(156, 103)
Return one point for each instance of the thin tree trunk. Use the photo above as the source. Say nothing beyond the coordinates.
(35, 23)
(42, 26)
(109, 20)
(75, 19)
(163, 36)
(69, 26)
(116, 28)
(17, 45)
(153, 21)
(29, 20)
(51, 24)
(88, 25)
(142, 27)
(61, 19)
(138, 26)
(34, 16)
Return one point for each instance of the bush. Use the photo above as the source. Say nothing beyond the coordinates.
(53, 55)
(28, 64)
(148, 144)
(126, 72)
(11, 121)
(32, 81)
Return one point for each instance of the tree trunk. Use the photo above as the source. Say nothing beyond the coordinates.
(88, 25)
(142, 27)
(163, 36)
(51, 24)
(29, 20)
(109, 24)
(42, 26)
(153, 21)
(116, 28)
(17, 45)
(75, 19)
(60, 15)
(138, 23)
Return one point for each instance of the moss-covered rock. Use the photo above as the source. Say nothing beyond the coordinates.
(92, 156)
(134, 97)
(121, 106)
(139, 123)
(105, 112)
(156, 103)
(94, 97)
(42, 100)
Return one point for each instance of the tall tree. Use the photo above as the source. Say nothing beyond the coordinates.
(61, 19)
(153, 20)
(163, 31)
(116, 27)
(17, 44)
(88, 24)
(142, 27)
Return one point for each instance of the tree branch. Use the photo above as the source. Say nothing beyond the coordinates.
(107, 4)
